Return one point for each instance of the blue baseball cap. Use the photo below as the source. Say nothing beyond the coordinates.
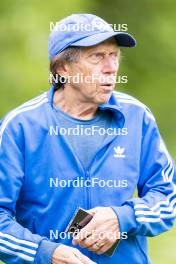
(84, 30)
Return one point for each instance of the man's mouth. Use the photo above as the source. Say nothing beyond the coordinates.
(107, 86)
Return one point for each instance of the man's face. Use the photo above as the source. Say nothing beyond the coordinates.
(97, 66)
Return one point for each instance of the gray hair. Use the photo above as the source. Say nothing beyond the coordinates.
(70, 54)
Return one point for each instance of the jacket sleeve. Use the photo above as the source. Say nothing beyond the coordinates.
(17, 244)
(154, 211)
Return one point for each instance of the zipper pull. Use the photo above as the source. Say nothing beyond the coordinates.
(87, 174)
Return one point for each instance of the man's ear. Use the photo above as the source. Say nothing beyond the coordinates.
(63, 70)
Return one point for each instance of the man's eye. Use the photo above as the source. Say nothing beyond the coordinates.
(96, 56)
(114, 56)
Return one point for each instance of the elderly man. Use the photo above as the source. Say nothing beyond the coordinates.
(83, 145)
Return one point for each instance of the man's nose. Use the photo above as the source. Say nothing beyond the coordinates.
(109, 65)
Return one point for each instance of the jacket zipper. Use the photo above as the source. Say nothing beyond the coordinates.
(87, 176)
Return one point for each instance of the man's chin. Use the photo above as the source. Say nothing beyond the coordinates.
(104, 98)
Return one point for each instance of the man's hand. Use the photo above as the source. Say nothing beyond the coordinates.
(101, 232)
(68, 255)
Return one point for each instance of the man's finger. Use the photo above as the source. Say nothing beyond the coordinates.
(83, 258)
(80, 237)
(93, 210)
(84, 232)
(87, 242)
(99, 244)
(104, 248)
(75, 260)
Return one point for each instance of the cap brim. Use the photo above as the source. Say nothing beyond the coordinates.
(123, 39)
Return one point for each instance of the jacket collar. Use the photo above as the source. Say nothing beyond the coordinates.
(112, 105)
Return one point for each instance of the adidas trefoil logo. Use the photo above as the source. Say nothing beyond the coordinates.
(119, 152)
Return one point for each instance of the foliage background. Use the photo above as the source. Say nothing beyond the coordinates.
(24, 29)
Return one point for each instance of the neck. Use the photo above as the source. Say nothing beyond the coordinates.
(72, 104)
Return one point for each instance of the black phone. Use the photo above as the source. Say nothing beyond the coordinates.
(80, 219)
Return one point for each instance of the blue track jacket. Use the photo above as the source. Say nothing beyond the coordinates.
(33, 156)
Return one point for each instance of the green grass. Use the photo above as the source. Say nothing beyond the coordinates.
(162, 249)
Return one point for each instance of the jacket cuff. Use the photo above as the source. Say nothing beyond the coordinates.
(45, 252)
(126, 218)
